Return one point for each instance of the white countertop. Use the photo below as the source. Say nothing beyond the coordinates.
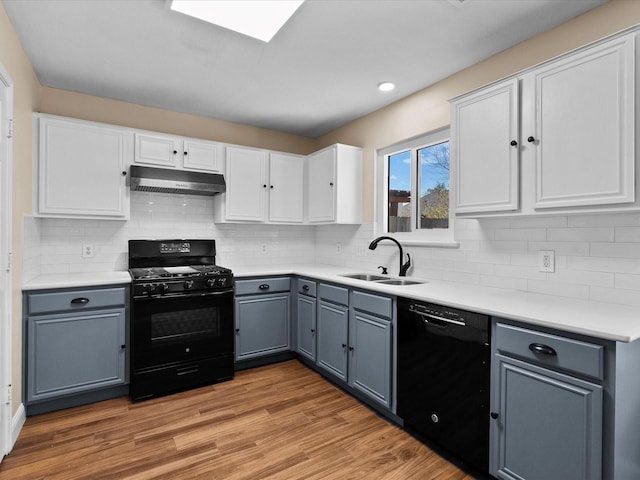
(597, 319)
(72, 280)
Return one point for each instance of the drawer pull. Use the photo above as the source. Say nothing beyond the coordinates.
(305, 288)
(80, 301)
(264, 286)
(543, 349)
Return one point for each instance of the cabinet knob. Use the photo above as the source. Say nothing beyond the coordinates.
(271, 186)
(264, 186)
(186, 153)
(351, 349)
(494, 415)
(123, 347)
(331, 184)
(124, 173)
(305, 288)
(313, 330)
(175, 151)
(344, 345)
(513, 143)
(237, 330)
(531, 139)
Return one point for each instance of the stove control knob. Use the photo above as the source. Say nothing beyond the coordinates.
(188, 284)
(151, 289)
(211, 283)
(222, 281)
(163, 287)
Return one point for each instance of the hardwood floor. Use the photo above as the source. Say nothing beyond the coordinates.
(282, 421)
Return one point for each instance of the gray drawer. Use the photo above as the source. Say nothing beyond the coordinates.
(307, 287)
(570, 355)
(262, 286)
(334, 294)
(75, 300)
(375, 304)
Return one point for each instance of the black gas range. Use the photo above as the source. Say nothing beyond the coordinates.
(182, 317)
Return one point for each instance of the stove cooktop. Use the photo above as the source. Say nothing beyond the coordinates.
(185, 271)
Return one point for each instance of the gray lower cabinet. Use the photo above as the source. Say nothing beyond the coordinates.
(355, 340)
(262, 317)
(547, 406)
(306, 319)
(75, 343)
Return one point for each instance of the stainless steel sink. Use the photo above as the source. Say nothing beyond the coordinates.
(399, 281)
(364, 276)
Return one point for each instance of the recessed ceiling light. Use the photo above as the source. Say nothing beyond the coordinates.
(259, 19)
(386, 86)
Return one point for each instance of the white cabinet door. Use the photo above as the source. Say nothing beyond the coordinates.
(485, 149)
(160, 150)
(82, 168)
(321, 186)
(584, 130)
(246, 180)
(286, 199)
(201, 155)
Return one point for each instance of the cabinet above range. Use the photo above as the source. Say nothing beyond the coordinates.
(262, 186)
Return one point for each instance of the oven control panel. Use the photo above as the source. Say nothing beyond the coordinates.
(175, 247)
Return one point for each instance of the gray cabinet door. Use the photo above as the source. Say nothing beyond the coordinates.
(73, 353)
(307, 327)
(332, 338)
(370, 356)
(549, 425)
(262, 325)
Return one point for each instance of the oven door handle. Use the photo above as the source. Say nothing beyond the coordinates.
(185, 295)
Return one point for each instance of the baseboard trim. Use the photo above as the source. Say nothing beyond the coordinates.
(16, 425)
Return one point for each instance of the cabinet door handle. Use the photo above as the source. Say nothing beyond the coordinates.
(80, 301)
(305, 288)
(531, 139)
(344, 345)
(237, 330)
(313, 330)
(543, 349)
(513, 143)
(264, 286)
(123, 347)
(494, 415)
(351, 349)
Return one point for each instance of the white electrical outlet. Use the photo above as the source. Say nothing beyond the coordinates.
(263, 248)
(87, 250)
(338, 248)
(547, 261)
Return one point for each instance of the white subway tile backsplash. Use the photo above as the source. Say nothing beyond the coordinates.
(597, 256)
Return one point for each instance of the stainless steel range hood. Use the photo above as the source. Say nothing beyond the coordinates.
(163, 180)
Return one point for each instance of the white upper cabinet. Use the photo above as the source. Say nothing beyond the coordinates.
(286, 180)
(262, 186)
(557, 138)
(584, 127)
(334, 185)
(81, 168)
(169, 151)
(485, 128)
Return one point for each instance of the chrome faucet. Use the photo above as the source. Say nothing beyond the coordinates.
(403, 267)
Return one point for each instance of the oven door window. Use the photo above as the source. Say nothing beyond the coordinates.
(175, 329)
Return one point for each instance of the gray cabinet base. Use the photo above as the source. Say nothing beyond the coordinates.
(264, 360)
(93, 396)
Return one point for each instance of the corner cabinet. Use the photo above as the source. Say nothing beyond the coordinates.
(81, 168)
(262, 186)
(334, 185)
(558, 137)
(75, 346)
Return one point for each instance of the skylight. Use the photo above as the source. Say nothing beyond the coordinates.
(259, 19)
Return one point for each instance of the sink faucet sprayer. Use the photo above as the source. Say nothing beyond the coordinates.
(403, 268)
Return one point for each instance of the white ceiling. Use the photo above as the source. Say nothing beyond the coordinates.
(318, 73)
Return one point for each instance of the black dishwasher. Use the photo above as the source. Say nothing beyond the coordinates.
(443, 377)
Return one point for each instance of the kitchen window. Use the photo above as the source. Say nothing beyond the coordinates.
(413, 190)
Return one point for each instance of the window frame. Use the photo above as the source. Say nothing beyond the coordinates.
(443, 237)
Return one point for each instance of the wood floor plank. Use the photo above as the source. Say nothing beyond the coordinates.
(280, 422)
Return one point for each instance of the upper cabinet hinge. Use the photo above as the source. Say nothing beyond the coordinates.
(10, 134)
(9, 261)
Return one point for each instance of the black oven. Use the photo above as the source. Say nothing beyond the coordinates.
(182, 317)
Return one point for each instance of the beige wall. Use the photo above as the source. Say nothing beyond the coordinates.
(26, 94)
(98, 109)
(429, 109)
(414, 115)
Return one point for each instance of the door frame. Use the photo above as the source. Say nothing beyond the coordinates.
(6, 290)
